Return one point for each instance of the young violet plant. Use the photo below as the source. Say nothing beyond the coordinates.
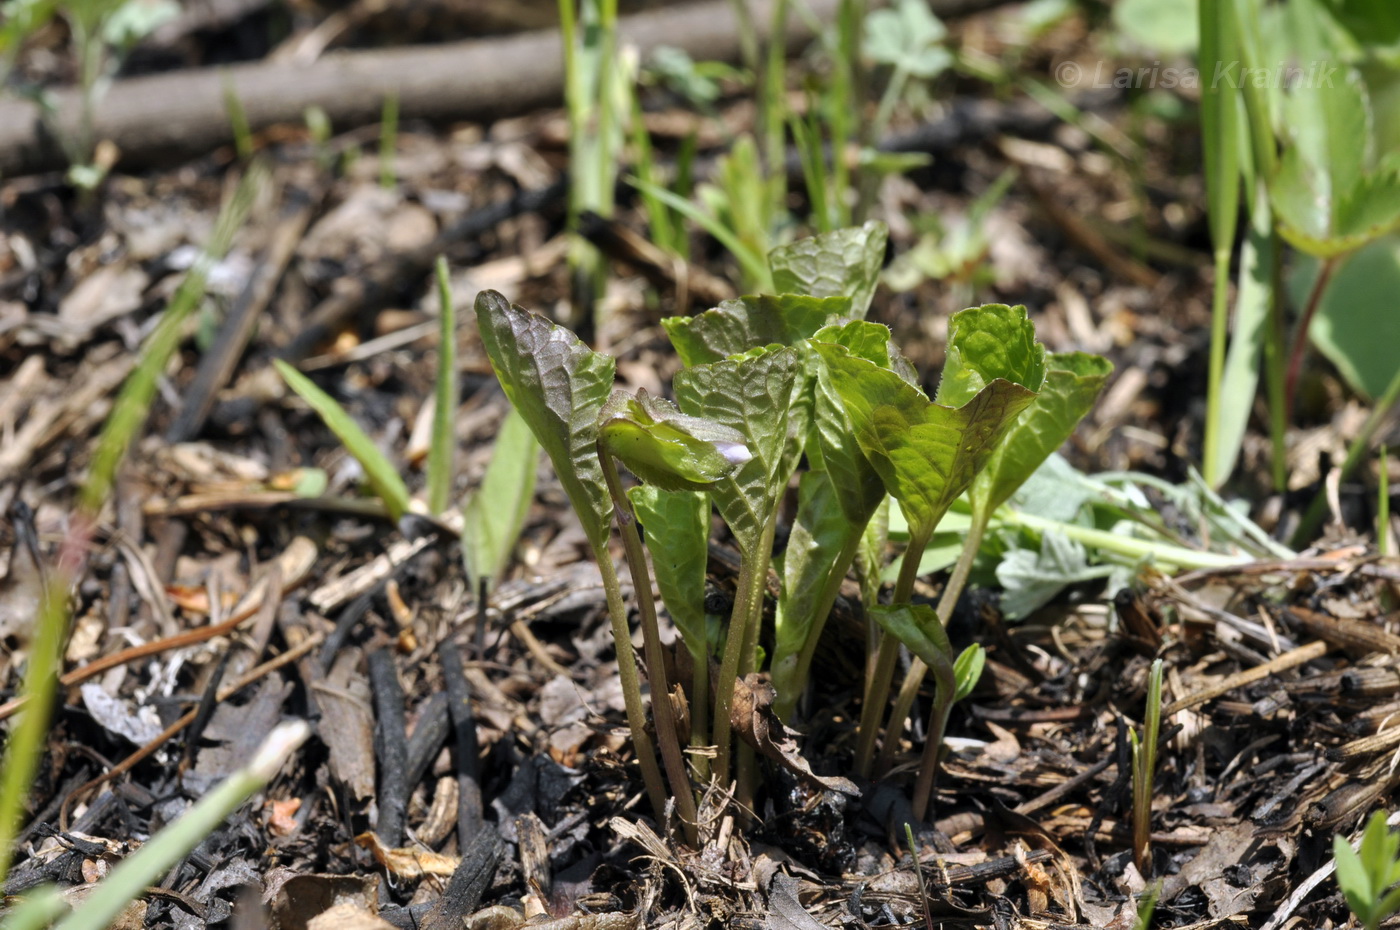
(771, 382)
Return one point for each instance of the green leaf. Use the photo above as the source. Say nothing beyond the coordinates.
(836, 450)
(753, 394)
(666, 448)
(1222, 123)
(559, 386)
(917, 627)
(1071, 386)
(907, 37)
(926, 454)
(1240, 381)
(494, 514)
(818, 534)
(445, 398)
(1168, 27)
(1031, 579)
(677, 527)
(842, 263)
(967, 670)
(744, 323)
(1356, 325)
(986, 343)
(1327, 198)
(383, 478)
(1351, 876)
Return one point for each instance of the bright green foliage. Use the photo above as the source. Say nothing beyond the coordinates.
(753, 394)
(1356, 325)
(744, 323)
(1071, 386)
(986, 343)
(494, 514)
(1328, 196)
(381, 474)
(1168, 27)
(666, 448)
(967, 670)
(559, 386)
(1368, 875)
(917, 627)
(927, 454)
(677, 524)
(444, 396)
(842, 263)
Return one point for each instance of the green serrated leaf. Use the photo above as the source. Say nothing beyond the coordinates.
(494, 514)
(753, 394)
(926, 454)
(905, 37)
(383, 478)
(744, 323)
(1351, 876)
(1031, 578)
(818, 534)
(986, 343)
(1071, 386)
(665, 447)
(841, 263)
(677, 525)
(559, 386)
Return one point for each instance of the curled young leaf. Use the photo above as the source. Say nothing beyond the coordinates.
(665, 447)
(559, 385)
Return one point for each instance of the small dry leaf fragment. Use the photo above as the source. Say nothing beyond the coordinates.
(281, 819)
(753, 719)
(407, 864)
(347, 917)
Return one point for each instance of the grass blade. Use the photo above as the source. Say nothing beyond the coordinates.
(379, 471)
(440, 453)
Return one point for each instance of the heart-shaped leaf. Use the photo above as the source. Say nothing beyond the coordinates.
(841, 263)
(559, 386)
(744, 323)
(665, 447)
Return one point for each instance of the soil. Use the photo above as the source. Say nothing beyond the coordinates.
(208, 584)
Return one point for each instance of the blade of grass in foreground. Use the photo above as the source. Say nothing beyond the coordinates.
(134, 401)
(144, 867)
(1221, 133)
(379, 471)
(445, 403)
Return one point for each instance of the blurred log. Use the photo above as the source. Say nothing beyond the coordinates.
(168, 118)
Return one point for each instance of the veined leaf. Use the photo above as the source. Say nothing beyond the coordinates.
(665, 447)
(752, 393)
(744, 323)
(677, 524)
(1071, 386)
(967, 670)
(841, 263)
(926, 454)
(559, 386)
(1356, 325)
(986, 343)
(836, 449)
(383, 478)
(494, 514)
